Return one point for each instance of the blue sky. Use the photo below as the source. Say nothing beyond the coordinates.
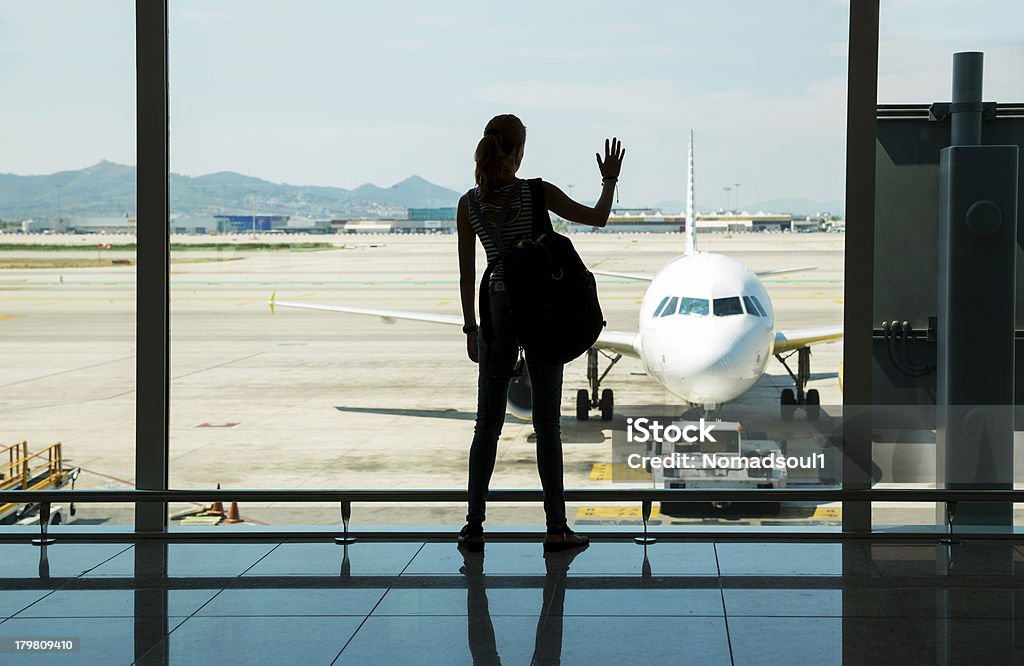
(342, 93)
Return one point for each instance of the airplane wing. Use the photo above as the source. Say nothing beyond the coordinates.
(388, 316)
(790, 340)
(648, 277)
(780, 271)
(620, 342)
(628, 276)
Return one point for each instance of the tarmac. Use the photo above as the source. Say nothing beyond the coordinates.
(308, 399)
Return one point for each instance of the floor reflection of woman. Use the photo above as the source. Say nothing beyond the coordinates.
(547, 647)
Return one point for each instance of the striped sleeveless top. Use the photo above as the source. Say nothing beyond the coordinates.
(517, 224)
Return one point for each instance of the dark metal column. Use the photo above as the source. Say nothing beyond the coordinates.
(152, 596)
(862, 95)
(977, 301)
(153, 259)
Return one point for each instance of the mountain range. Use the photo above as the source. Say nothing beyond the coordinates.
(108, 188)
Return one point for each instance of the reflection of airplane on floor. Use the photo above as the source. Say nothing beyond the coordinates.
(706, 333)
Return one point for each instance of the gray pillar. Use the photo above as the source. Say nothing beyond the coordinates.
(975, 373)
(862, 95)
(153, 259)
(965, 111)
(977, 268)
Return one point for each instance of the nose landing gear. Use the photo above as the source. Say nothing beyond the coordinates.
(809, 401)
(585, 401)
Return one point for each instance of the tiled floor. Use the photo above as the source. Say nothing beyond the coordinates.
(427, 603)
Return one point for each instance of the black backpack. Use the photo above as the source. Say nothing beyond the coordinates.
(552, 295)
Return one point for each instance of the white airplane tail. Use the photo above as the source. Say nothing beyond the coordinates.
(691, 217)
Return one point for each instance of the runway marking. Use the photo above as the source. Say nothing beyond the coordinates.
(62, 372)
(107, 476)
(212, 367)
(614, 512)
(2, 316)
(617, 472)
(784, 281)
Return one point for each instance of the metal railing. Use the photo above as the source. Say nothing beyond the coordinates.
(19, 474)
(18, 471)
(522, 495)
(644, 496)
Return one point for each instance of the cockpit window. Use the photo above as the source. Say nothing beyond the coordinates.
(760, 308)
(661, 306)
(693, 306)
(751, 305)
(728, 306)
(670, 309)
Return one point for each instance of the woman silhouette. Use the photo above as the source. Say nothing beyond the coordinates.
(500, 209)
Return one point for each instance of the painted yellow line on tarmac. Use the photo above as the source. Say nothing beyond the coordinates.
(617, 472)
(7, 316)
(614, 512)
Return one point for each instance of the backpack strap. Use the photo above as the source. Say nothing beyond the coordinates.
(541, 218)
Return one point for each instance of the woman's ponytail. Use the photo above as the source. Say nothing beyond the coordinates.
(495, 152)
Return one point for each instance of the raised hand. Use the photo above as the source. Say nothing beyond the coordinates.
(613, 154)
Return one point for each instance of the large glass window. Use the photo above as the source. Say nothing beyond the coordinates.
(318, 154)
(67, 252)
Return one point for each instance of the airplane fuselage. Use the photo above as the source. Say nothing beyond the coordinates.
(707, 328)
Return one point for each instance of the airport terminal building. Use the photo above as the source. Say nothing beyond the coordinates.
(774, 448)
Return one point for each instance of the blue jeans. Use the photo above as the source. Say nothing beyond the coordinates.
(497, 361)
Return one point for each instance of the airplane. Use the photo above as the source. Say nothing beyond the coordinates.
(706, 333)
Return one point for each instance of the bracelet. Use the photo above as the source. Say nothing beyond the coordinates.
(469, 328)
(614, 179)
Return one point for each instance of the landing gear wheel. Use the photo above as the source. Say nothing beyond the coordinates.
(582, 405)
(812, 407)
(788, 404)
(594, 376)
(607, 405)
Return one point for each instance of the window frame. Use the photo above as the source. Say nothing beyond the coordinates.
(153, 255)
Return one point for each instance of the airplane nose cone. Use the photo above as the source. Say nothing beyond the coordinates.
(712, 356)
(715, 371)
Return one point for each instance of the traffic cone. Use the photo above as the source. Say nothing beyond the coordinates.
(217, 507)
(233, 516)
